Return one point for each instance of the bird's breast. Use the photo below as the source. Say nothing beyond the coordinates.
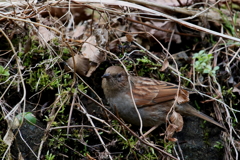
(123, 106)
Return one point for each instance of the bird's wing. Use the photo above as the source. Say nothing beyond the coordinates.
(148, 91)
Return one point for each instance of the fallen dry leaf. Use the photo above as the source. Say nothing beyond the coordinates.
(89, 157)
(175, 126)
(96, 56)
(168, 26)
(183, 96)
(130, 37)
(165, 65)
(91, 57)
(82, 64)
(79, 31)
(9, 137)
(170, 132)
(46, 34)
(163, 33)
(177, 120)
(114, 45)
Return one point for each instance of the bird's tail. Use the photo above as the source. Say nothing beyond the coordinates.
(187, 109)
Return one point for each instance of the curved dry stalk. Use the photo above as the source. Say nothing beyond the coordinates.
(21, 78)
(76, 126)
(52, 116)
(178, 73)
(31, 22)
(94, 127)
(71, 110)
(23, 99)
(100, 120)
(20, 134)
(13, 80)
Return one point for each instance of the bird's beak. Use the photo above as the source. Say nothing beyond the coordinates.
(106, 75)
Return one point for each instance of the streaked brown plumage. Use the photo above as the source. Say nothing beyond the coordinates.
(153, 98)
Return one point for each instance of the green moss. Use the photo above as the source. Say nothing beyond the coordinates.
(147, 66)
(4, 74)
(203, 63)
(3, 146)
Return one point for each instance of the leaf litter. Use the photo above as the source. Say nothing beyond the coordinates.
(72, 42)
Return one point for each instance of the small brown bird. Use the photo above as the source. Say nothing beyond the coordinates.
(153, 98)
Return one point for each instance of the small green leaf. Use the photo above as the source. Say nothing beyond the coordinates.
(31, 119)
(3, 71)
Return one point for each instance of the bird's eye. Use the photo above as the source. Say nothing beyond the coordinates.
(119, 75)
